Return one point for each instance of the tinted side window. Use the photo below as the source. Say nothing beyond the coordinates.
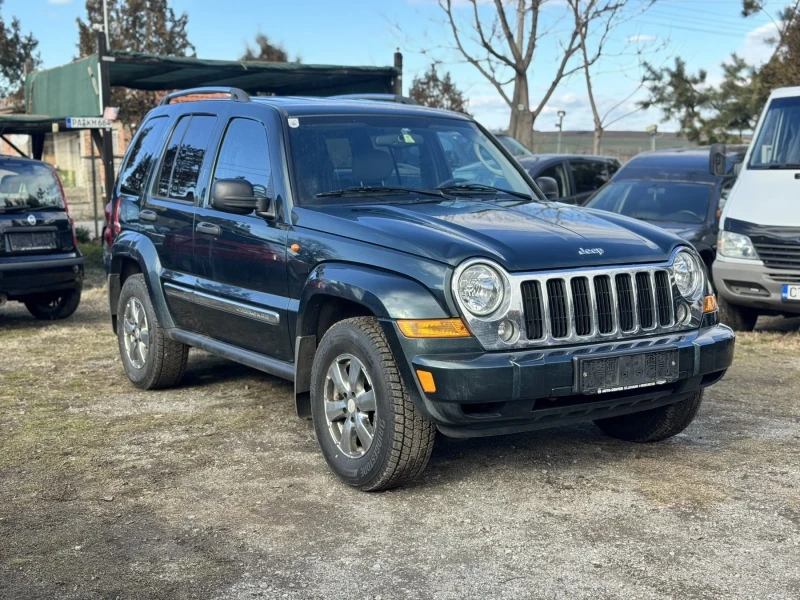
(133, 174)
(588, 175)
(559, 173)
(168, 162)
(245, 155)
(190, 158)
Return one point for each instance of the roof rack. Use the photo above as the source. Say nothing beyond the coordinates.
(236, 94)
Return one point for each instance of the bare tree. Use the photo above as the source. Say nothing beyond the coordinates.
(593, 38)
(503, 50)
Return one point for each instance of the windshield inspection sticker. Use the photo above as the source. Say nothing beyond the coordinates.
(294, 123)
(407, 136)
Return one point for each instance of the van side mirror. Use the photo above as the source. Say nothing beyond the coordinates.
(549, 187)
(238, 197)
(717, 160)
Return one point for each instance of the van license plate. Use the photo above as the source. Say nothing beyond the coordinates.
(615, 374)
(791, 293)
(45, 240)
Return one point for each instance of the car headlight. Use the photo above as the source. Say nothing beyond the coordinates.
(481, 289)
(736, 245)
(688, 274)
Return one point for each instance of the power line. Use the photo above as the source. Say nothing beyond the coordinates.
(695, 29)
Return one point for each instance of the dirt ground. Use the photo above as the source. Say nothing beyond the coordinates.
(216, 490)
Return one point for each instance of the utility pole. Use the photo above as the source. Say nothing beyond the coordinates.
(561, 115)
(105, 22)
(652, 131)
(107, 151)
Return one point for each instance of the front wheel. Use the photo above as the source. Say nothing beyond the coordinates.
(738, 318)
(655, 424)
(368, 428)
(55, 307)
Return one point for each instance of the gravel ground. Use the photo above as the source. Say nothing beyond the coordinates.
(216, 490)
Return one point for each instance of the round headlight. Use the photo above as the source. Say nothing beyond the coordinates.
(688, 274)
(480, 288)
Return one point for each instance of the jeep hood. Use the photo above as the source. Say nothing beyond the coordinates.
(520, 236)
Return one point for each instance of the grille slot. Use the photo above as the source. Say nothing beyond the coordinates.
(605, 304)
(663, 298)
(582, 305)
(779, 256)
(627, 320)
(557, 300)
(534, 312)
(644, 297)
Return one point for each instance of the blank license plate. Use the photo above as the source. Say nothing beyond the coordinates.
(600, 375)
(791, 292)
(32, 241)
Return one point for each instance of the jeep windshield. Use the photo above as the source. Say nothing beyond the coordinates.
(25, 184)
(397, 158)
(667, 201)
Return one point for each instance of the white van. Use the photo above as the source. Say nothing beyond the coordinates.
(757, 268)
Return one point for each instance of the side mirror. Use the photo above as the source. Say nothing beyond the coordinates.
(238, 197)
(717, 160)
(549, 187)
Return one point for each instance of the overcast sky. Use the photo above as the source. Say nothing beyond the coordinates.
(366, 32)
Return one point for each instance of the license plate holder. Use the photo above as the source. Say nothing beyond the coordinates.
(790, 292)
(32, 241)
(626, 371)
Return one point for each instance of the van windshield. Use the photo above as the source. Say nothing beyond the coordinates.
(778, 143)
(669, 201)
(28, 184)
(397, 158)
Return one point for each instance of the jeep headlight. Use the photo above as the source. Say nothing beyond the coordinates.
(736, 245)
(480, 289)
(688, 274)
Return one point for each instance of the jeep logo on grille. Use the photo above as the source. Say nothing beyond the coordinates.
(598, 251)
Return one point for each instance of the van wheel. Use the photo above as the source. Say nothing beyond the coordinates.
(655, 424)
(151, 360)
(738, 318)
(52, 308)
(368, 428)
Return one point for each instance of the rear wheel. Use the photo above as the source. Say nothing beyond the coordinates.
(151, 360)
(56, 306)
(653, 425)
(367, 426)
(738, 318)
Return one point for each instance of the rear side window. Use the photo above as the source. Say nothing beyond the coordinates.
(133, 174)
(589, 175)
(27, 183)
(245, 155)
(183, 159)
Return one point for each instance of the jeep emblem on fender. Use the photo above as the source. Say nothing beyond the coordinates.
(598, 251)
(31, 220)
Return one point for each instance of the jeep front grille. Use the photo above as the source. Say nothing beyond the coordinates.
(581, 306)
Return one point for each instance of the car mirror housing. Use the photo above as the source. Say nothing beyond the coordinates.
(549, 187)
(237, 196)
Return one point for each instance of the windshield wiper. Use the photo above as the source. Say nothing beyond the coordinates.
(480, 188)
(378, 190)
(14, 207)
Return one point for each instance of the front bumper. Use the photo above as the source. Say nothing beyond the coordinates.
(754, 285)
(489, 393)
(28, 276)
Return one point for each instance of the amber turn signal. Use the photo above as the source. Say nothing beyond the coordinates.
(710, 304)
(433, 328)
(426, 379)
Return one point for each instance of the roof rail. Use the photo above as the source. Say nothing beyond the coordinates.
(236, 94)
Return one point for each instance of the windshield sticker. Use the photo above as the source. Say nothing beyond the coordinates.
(294, 123)
(407, 136)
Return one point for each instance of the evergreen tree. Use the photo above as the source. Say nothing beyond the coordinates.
(15, 49)
(438, 92)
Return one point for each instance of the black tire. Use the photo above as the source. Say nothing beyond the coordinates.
(55, 307)
(738, 318)
(164, 360)
(403, 439)
(653, 425)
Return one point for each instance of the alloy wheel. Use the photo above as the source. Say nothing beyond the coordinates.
(350, 408)
(136, 333)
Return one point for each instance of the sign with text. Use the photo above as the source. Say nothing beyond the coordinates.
(88, 123)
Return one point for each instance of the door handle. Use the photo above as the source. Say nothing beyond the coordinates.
(148, 215)
(207, 228)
